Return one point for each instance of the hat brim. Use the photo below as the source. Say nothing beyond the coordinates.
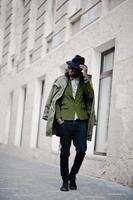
(74, 65)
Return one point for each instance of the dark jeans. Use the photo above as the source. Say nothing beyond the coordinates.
(76, 131)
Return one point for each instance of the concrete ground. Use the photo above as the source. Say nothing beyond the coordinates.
(23, 179)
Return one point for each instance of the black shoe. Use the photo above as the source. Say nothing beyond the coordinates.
(72, 184)
(64, 186)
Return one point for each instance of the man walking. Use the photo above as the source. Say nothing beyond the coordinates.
(69, 112)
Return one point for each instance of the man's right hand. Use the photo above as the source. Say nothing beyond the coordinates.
(60, 121)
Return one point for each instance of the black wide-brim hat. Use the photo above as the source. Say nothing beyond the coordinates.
(76, 62)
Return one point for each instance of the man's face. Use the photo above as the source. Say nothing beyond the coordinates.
(73, 72)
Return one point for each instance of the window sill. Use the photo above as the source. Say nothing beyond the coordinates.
(49, 37)
(96, 157)
(73, 18)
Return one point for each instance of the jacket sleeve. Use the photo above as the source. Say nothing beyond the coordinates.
(58, 110)
(48, 104)
(53, 92)
(88, 88)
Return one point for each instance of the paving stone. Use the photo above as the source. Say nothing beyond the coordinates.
(22, 179)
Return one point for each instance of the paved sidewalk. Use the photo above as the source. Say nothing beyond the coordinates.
(22, 179)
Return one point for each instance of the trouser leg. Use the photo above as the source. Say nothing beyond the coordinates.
(77, 163)
(80, 143)
(74, 170)
(65, 141)
(64, 165)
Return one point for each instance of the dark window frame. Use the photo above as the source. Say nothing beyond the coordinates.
(102, 76)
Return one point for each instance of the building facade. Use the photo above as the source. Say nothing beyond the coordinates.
(36, 39)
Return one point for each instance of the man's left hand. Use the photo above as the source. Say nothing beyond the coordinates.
(84, 70)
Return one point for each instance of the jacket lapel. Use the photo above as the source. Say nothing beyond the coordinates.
(69, 91)
(78, 89)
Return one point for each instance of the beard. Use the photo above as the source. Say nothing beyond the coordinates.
(74, 73)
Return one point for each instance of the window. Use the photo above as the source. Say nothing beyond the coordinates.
(104, 102)
(18, 12)
(25, 34)
(74, 13)
(40, 112)
(39, 30)
(37, 114)
(20, 116)
(8, 118)
(59, 29)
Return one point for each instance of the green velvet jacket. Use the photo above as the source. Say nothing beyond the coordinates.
(67, 106)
